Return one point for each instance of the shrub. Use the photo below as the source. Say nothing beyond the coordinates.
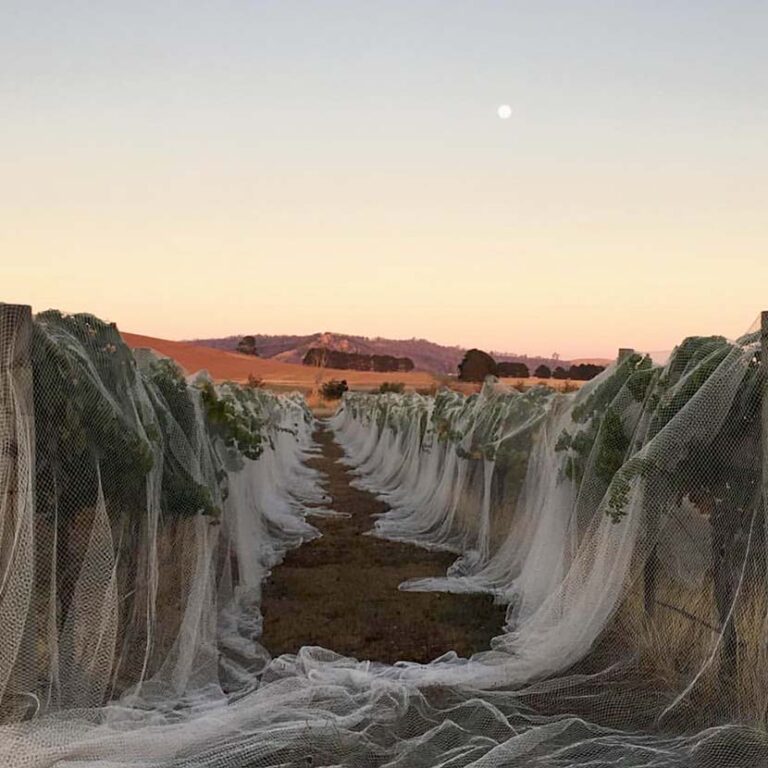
(397, 387)
(334, 389)
(543, 372)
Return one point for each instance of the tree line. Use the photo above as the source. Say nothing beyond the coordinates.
(477, 364)
(322, 357)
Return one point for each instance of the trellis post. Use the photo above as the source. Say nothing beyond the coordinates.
(16, 470)
(764, 387)
(624, 352)
(15, 375)
(15, 399)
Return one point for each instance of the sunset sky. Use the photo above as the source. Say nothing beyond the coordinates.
(200, 168)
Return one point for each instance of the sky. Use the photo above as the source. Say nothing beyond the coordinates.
(192, 168)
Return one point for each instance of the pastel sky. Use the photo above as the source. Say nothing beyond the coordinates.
(190, 168)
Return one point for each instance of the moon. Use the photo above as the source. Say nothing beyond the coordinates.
(504, 111)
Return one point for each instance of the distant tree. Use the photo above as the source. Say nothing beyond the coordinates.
(542, 372)
(560, 373)
(476, 365)
(585, 371)
(247, 346)
(323, 357)
(384, 363)
(334, 389)
(314, 356)
(513, 370)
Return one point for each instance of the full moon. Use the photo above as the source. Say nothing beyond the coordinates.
(504, 111)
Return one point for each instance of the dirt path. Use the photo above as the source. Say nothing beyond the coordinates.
(340, 591)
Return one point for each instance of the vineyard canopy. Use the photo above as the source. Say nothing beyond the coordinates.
(622, 525)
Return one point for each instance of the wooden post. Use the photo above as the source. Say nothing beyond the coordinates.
(764, 392)
(624, 352)
(16, 500)
(15, 336)
(651, 567)
(726, 568)
(15, 384)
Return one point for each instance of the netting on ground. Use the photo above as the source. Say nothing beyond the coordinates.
(140, 511)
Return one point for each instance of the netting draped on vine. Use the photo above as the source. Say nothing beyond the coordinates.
(623, 526)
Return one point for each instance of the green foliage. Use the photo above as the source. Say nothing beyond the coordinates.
(618, 497)
(602, 428)
(238, 428)
(169, 379)
(103, 420)
(181, 496)
(692, 363)
(640, 381)
(579, 446)
(612, 446)
(604, 393)
(83, 379)
(564, 441)
(720, 467)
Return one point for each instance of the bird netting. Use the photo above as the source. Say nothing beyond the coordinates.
(622, 525)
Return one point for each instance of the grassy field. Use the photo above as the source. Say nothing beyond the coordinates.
(232, 366)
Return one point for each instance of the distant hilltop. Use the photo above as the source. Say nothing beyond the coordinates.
(426, 355)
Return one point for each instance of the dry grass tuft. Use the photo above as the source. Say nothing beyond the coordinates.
(682, 637)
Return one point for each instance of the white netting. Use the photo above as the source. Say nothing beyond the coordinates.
(623, 526)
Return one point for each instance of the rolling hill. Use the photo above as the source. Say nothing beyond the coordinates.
(225, 365)
(426, 355)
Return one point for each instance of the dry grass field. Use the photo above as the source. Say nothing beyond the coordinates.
(277, 375)
(469, 387)
(232, 366)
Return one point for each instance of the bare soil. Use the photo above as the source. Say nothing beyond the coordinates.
(341, 590)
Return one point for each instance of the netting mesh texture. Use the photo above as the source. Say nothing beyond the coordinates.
(623, 526)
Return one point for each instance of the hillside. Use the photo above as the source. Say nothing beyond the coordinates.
(426, 355)
(606, 361)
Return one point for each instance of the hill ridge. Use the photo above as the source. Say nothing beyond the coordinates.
(426, 355)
